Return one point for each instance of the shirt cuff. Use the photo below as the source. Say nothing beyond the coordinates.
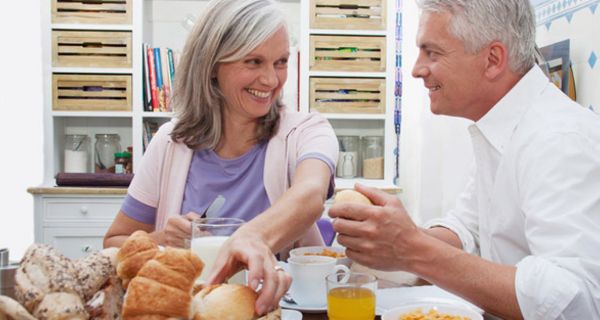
(138, 210)
(466, 238)
(543, 289)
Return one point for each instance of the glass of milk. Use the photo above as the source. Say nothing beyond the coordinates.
(208, 235)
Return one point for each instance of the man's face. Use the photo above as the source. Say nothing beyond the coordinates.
(452, 75)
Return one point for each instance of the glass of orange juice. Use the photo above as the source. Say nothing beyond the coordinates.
(351, 296)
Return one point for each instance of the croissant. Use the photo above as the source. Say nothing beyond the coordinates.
(134, 253)
(163, 286)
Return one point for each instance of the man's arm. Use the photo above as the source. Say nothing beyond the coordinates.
(384, 237)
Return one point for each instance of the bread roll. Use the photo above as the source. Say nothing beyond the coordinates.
(351, 196)
(61, 306)
(11, 309)
(228, 302)
(134, 253)
(43, 270)
(107, 303)
(94, 270)
(163, 286)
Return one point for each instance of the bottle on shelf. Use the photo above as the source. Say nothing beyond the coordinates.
(347, 166)
(122, 162)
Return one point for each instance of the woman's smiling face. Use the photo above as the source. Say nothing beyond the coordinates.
(252, 84)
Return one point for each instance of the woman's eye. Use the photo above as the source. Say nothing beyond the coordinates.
(282, 62)
(253, 61)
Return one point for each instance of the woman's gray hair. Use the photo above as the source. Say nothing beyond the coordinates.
(479, 22)
(227, 31)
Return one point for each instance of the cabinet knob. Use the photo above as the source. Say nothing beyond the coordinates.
(86, 248)
(84, 210)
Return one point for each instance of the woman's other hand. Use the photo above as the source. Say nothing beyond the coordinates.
(178, 231)
(244, 250)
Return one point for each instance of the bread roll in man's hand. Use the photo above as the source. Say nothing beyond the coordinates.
(351, 196)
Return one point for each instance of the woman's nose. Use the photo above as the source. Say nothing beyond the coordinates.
(269, 77)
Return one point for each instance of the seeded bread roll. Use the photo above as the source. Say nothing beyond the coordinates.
(11, 309)
(351, 196)
(44, 270)
(61, 306)
(94, 270)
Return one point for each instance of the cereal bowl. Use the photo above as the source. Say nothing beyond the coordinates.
(453, 310)
(336, 252)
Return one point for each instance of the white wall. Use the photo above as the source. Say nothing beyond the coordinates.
(435, 151)
(21, 158)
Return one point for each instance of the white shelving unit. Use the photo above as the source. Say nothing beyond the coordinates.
(354, 123)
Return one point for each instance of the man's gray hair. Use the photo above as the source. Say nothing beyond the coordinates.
(479, 22)
(227, 31)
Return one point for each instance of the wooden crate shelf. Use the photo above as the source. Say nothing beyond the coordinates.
(347, 53)
(348, 14)
(91, 92)
(347, 95)
(98, 49)
(92, 11)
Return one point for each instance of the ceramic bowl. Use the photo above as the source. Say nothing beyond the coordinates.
(323, 251)
(448, 307)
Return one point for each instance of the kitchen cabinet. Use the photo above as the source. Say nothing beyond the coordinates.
(74, 220)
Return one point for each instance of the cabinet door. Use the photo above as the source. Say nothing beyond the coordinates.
(75, 242)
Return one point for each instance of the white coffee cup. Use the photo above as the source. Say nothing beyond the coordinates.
(308, 278)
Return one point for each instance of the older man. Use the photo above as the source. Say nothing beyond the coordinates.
(523, 240)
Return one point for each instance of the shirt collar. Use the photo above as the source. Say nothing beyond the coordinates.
(498, 124)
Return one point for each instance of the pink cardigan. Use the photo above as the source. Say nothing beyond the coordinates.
(160, 180)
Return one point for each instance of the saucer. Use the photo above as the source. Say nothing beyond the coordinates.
(290, 315)
(290, 305)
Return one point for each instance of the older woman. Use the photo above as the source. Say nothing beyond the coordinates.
(232, 137)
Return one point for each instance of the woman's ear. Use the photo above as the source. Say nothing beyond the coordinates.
(497, 59)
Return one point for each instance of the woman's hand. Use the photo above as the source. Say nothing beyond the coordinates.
(178, 231)
(245, 250)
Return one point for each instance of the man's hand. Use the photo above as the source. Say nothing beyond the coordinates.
(377, 236)
(243, 250)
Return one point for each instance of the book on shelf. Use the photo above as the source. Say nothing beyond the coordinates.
(158, 77)
(152, 78)
(150, 129)
(146, 81)
(166, 76)
(159, 80)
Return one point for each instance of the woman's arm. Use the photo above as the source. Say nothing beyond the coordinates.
(177, 232)
(252, 246)
(122, 227)
(297, 209)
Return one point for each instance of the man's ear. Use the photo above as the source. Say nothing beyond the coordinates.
(497, 60)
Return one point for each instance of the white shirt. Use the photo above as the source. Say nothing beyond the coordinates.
(533, 199)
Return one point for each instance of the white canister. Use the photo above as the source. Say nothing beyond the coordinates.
(76, 153)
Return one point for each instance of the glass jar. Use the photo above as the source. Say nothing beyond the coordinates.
(372, 157)
(122, 162)
(347, 166)
(77, 150)
(106, 146)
